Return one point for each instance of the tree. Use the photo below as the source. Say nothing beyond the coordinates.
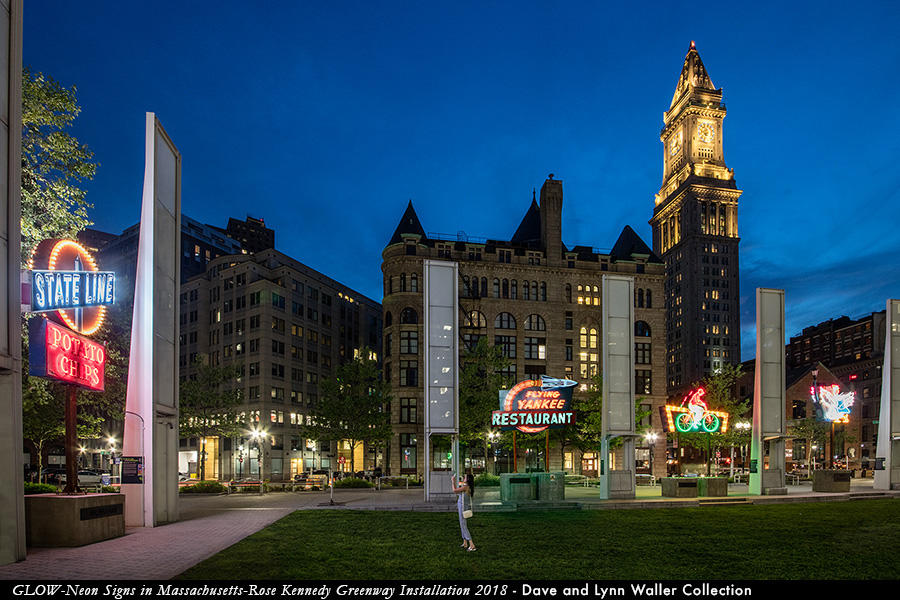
(480, 383)
(208, 405)
(54, 163)
(811, 432)
(352, 406)
(589, 416)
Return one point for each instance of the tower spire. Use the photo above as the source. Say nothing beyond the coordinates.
(693, 75)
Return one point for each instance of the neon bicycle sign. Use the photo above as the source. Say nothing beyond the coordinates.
(694, 415)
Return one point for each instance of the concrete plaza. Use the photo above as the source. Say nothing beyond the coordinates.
(209, 524)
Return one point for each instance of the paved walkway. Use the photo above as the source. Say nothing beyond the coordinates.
(209, 524)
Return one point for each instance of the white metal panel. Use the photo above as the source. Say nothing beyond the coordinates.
(618, 355)
(888, 446)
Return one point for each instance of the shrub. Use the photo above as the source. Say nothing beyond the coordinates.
(39, 488)
(203, 487)
(109, 489)
(487, 480)
(314, 488)
(352, 482)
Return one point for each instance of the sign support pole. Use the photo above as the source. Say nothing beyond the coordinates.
(71, 440)
(547, 451)
(515, 454)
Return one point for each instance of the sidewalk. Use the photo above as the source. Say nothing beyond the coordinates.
(209, 524)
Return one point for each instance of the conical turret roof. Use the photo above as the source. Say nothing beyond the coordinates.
(409, 224)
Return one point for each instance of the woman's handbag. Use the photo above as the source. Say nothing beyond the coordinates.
(467, 512)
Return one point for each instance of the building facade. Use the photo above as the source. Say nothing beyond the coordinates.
(286, 327)
(695, 231)
(537, 299)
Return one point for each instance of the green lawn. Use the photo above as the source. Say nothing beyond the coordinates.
(824, 540)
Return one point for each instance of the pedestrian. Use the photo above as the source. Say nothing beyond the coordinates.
(465, 491)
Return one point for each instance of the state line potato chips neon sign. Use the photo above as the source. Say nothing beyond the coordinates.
(61, 354)
(534, 405)
(71, 284)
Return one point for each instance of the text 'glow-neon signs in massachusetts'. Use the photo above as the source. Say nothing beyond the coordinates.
(534, 405)
(694, 415)
(58, 353)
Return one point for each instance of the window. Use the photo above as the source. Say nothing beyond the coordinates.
(641, 329)
(387, 344)
(277, 370)
(642, 381)
(254, 369)
(641, 353)
(408, 410)
(409, 317)
(409, 342)
(496, 288)
(505, 321)
(470, 340)
(277, 347)
(475, 319)
(254, 321)
(543, 291)
(507, 345)
(255, 298)
(277, 324)
(277, 300)
(407, 452)
(535, 348)
(413, 283)
(409, 373)
(535, 323)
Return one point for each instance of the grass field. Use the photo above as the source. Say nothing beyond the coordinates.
(824, 540)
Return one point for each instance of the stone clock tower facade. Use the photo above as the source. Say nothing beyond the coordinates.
(695, 231)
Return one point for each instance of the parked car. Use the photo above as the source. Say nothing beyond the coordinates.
(85, 477)
(51, 474)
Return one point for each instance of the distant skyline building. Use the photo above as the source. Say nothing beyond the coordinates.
(695, 231)
(536, 299)
(252, 233)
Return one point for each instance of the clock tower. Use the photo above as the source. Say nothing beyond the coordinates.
(695, 231)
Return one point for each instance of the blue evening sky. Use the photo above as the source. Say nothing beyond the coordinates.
(324, 118)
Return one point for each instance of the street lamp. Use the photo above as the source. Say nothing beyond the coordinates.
(259, 435)
(241, 461)
(651, 437)
(112, 453)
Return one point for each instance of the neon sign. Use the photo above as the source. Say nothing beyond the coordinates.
(72, 285)
(832, 405)
(694, 415)
(534, 405)
(61, 354)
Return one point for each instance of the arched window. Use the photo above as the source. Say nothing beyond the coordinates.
(388, 319)
(649, 304)
(525, 294)
(402, 282)
(569, 292)
(413, 283)
(587, 352)
(484, 287)
(409, 316)
(641, 329)
(475, 319)
(496, 288)
(505, 321)
(596, 299)
(640, 298)
(514, 292)
(535, 323)
(390, 286)
(543, 291)
(505, 290)
(534, 288)
(467, 293)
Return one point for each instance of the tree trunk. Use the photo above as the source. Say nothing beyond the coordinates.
(353, 444)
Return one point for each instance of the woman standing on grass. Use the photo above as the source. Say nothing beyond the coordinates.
(465, 488)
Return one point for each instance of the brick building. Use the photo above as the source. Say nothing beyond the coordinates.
(533, 296)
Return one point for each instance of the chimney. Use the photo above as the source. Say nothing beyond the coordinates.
(551, 220)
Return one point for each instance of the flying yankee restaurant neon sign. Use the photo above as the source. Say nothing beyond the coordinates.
(534, 405)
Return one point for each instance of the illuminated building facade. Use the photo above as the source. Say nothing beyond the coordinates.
(287, 327)
(534, 297)
(695, 231)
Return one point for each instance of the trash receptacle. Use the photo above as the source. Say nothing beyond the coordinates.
(515, 487)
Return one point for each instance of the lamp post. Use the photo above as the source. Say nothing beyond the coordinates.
(259, 435)
(241, 460)
(651, 437)
(741, 426)
(112, 455)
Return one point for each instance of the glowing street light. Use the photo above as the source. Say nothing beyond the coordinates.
(259, 435)
(651, 437)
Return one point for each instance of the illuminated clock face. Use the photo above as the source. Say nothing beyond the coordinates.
(706, 131)
(675, 144)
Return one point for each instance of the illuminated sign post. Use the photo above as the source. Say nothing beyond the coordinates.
(832, 407)
(535, 405)
(73, 293)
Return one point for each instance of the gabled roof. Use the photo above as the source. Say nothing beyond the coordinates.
(409, 224)
(693, 75)
(630, 244)
(530, 228)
